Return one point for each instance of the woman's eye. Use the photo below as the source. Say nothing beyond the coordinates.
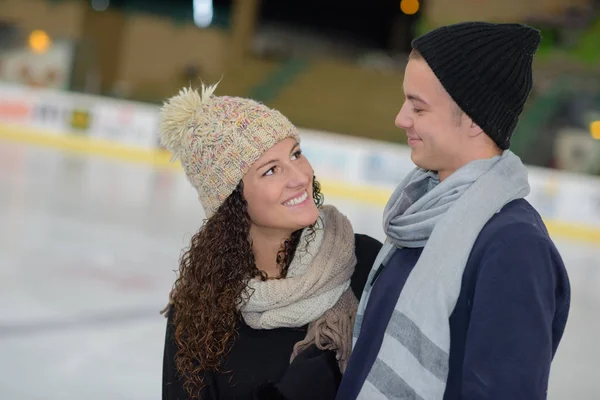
(297, 155)
(271, 171)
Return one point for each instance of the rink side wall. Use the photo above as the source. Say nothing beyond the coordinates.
(360, 170)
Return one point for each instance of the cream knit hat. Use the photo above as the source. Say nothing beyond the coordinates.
(217, 139)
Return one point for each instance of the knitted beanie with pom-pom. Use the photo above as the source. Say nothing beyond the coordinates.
(217, 139)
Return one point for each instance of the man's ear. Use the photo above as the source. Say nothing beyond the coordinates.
(474, 129)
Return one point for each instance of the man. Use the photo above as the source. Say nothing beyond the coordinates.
(469, 297)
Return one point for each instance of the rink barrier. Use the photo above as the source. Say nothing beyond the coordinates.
(363, 194)
(357, 169)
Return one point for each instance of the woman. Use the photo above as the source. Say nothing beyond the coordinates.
(265, 300)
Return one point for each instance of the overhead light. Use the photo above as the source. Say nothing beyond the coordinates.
(203, 13)
(409, 7)
(595, 129)
(100, 5)
(39, 41)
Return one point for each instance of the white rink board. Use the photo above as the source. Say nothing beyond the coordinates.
(559, 196)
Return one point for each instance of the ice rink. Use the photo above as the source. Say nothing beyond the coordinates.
(88, 249)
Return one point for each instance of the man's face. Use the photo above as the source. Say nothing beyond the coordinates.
(437, 130)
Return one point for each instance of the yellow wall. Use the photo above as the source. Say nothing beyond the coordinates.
(340, 97)
(155, 50)
(104, 31)
(62, 19)
(439, 12)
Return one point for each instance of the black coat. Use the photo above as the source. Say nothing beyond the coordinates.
(259, 359)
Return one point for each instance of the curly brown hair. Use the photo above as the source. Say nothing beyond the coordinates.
(213, 276)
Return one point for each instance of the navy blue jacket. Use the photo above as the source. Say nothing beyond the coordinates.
(508, 321)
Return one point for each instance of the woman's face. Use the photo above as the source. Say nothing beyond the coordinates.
(279, 192)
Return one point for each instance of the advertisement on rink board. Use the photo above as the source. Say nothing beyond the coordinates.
(14, 110)
(60, 116)
(356, 160)
(332, 157)
(360, 162)
(387, 166)
(15, 105)
(57, 112)
(125, 122)
(544, 190)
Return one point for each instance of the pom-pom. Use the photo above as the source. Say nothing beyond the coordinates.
(177, 113)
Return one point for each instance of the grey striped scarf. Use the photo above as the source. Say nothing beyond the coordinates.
(446, 219)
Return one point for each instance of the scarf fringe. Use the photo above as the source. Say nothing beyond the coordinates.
(333, 331)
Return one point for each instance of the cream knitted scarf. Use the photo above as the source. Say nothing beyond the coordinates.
(316, 290)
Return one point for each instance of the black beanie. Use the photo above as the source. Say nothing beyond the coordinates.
(486, 69)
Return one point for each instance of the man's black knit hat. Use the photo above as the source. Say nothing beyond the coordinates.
(486, 69)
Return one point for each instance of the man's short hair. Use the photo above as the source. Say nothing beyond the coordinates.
(415, 55)
(457, 112)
